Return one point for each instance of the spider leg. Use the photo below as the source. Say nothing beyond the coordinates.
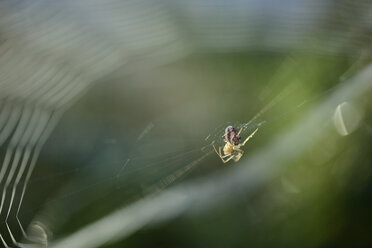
(222, 156)
(220, 153)
(227, 160)
(219, 149)
(216, 150)
(236, 159)
(238, 150)
(240, 131)
(250, 136)
(238, 153)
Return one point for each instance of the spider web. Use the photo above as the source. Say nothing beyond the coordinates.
(136, 174)
(51, 54)
(157, 173)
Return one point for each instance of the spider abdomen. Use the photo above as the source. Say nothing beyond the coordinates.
(232, 135)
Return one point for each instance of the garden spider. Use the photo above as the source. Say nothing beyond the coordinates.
(232, 150)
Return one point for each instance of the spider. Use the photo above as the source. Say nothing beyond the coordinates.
(232, 150)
